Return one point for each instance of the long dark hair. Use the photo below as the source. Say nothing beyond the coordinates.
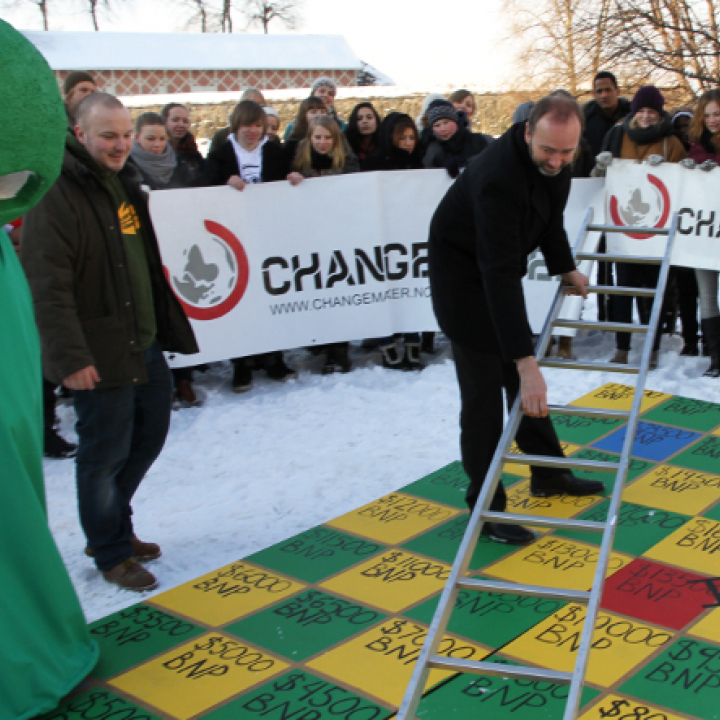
(352, 133)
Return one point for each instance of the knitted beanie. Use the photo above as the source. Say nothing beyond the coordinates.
(648, 97)
(75, 77)
(324, 80)
(441, 110)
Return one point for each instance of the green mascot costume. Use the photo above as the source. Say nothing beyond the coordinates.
(45, 647)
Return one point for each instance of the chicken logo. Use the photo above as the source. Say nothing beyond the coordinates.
(214, 274)
(647, 206)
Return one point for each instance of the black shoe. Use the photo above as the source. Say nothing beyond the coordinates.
(343, 363)
(411, 361)
(280, 371)
(329, 367)
(714, 370)
(428, 343)
(57, 447)
(508, 534)
(566, 483)
(242, 378)
(391, 359)
(690, 349)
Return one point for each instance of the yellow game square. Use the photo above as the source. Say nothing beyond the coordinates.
(708, 628)
(618, 646)
(624, 707)
(615, 396)
(694, 546)
(228, 593)
(675, 489)
(555, 562)
(519, 500)
(380, 661)
(394, 518)
(391, 581)
(524, 470)
(716, 431)
(196, 676)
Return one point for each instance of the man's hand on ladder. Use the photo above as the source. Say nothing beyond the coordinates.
(577, 282)
(533, 391)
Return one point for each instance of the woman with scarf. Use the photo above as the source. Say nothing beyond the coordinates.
(322, 153)
(177, 122)
(705, 150)
(362, 130)
(645, 132)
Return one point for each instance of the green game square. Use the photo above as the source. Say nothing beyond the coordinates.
(685, 677)
(442, 543)
(636, 467)
(98, 704)
(316, 554)
(305, 624)
(446, 485)
(492, 619)
(713, 513)
(582, 430)
(638, 529)
(497, 698)
(134, 635)
(298, 694)
(704, 455)
(686, 413)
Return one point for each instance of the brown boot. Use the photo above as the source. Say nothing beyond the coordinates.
(564, 351)
(131, 575)
(186, 394)
(142, 551)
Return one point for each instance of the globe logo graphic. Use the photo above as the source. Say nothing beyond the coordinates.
(645, 206)
(214, 274)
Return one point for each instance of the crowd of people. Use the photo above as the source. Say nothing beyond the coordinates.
(109, 161)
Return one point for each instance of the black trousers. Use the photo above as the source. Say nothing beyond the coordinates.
(482, 378)
(637, 276)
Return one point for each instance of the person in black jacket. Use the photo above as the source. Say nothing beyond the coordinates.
(247, 157)
(362, 130)
(508, 202)
(454, 144)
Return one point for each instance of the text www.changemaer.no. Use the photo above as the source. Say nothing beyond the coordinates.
(356, 299)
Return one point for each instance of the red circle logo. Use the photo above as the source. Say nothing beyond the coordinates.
(637, 208)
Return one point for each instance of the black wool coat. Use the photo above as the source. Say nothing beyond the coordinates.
(492, 218)
(222, 164)
(389, 157)
(597, 123)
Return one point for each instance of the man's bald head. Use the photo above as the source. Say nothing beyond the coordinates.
(90, 105)
(557, 108)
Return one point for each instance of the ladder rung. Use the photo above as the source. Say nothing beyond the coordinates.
(602, 257)
(501, 670)
(620, 290)
(560, 462)
(599, 367)
(626, 229)
(589, 412)
(524, 590)
(542, 521)
(609, 326)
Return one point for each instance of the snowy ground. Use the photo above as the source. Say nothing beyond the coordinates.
(245, 471)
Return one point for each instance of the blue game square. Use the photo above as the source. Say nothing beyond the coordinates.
(652, 442)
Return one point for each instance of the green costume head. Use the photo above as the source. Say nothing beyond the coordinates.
(33, 125)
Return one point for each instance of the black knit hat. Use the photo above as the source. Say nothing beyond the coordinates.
(648, 97)
(75, 77)
(441, 110)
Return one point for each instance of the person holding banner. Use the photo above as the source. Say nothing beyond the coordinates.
(705, 150)
(509, 201)
(247, 157)
(323, 152)
(646, 134)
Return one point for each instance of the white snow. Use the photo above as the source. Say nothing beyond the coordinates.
(73, 50)
(243, 472)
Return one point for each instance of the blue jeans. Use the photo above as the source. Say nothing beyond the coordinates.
(121, 432)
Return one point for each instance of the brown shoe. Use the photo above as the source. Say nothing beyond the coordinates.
(142, 551)
(186, 394)
(131, 575)
(564, 351)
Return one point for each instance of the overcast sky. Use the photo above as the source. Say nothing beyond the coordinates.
(420, 42)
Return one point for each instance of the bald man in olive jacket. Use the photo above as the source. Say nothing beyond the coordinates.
(507, 203)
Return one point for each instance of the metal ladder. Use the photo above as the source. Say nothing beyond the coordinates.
(458, 579)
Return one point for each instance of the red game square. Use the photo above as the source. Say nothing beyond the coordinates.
(657, 593)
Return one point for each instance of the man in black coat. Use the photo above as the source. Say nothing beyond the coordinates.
(507, 203)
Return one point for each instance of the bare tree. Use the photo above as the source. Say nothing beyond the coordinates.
(676, 41)
(200, 14)
(263, 12)
(41, 5)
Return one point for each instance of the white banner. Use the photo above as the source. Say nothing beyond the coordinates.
(638, 194)
(338, 258)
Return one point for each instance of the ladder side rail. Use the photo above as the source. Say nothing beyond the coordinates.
(593, 607)
(416, 686)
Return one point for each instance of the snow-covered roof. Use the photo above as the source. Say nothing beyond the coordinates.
(192, 51)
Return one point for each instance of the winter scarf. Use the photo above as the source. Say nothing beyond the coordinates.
(157, 167)
(647, 136)
(319, 161)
